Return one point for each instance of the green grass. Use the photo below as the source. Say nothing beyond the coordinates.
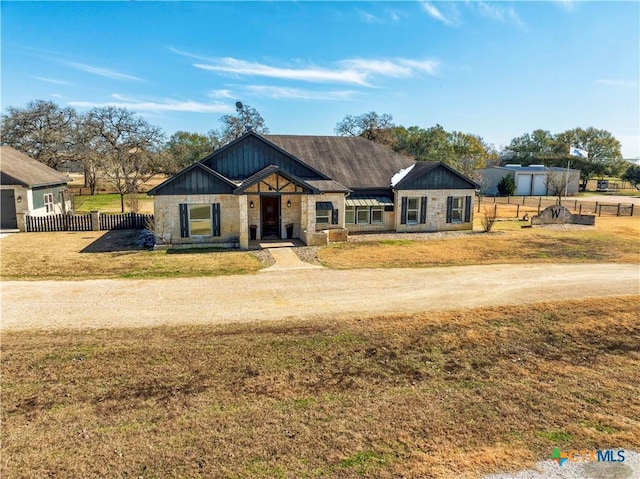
(110, 203)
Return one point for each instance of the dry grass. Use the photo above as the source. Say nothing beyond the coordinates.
(60, 256)
(612, 240)
(442, 395)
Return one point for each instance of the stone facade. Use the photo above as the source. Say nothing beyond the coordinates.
(558, 214)
(436, 210)
(167, 212)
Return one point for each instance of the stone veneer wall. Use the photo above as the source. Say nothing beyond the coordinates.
(166, 209)
(436, 210)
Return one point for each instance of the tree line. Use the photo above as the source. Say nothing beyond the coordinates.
(112, 144)
(119, 147)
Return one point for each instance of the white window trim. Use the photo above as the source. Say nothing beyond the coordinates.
(200, 219)
(323, 215)
(363, 208)
(352, 210)
(48, 205)
(460, 209)
(416, 209)
(381, 210)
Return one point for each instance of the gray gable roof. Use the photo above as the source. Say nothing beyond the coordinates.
(16, 168)
(354, 162)
(434, 175)
(196, 179)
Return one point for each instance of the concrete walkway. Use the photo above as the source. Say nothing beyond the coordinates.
(286, 259)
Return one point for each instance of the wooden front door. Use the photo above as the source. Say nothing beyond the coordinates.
(270, 209)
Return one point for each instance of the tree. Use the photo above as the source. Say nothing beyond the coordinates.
(530, 148)
(42, 130)
(506, 186)
(234, 126)
(471, 152)
(127, 147)
(374, 127)
(557, 183)
(632, 175)
(184, 149)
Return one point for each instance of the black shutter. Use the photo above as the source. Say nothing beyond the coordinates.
(403, 211)
(423, 210)
(467, 209)
(449, 208)
(215, 219)
(184, 221)
(334, 216)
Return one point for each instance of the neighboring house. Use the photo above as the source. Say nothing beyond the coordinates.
(530, 180)
(29, 187)
(315, 188)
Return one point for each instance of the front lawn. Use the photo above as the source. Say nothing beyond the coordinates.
(439, 395)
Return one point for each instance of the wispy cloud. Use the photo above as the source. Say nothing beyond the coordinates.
(499, 13)
(616, 83)
(285, 93)
(52, 80)
(236, 66)
(104, 72)
(349, 71)
(157, 106)
(222, 94)
(433, 12)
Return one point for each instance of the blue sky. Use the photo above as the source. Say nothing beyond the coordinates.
(495, 69)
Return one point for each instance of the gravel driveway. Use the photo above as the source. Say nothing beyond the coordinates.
(301, 294)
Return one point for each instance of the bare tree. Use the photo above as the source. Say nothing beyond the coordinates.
(374, 127)
(488, 218)
(127, 146)
(557, 183)
(42, 130)
(234, 126)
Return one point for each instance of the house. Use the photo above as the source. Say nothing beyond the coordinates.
(29, 187)
(532, 180)
(315, 188)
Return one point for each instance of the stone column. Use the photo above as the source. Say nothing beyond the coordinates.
(244, 221)
(21, 222)
(95, 220)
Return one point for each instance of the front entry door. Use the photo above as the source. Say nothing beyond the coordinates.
(270, 206)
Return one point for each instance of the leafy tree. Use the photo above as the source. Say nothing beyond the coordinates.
(42, 130)
(471, 152)
(234, 126)
(530, 148)
(184, 149)
(506, 186)
(632, 175)
(127, 147)
(374, 127)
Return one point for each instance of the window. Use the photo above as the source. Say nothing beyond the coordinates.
(47, 198)
(376, 214)
(457, 206)
(362, 215)
(322, 217)
(350, 215)
(413, 205)
(200, 220)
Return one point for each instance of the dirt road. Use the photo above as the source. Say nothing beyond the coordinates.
(300, 294)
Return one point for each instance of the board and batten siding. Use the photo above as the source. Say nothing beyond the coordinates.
(242, 159)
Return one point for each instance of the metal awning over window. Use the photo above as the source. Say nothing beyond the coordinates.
(356, 200)
(324, 205)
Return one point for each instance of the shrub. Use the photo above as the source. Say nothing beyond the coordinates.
(506, 186)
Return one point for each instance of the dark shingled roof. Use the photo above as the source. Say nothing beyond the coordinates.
(20, 169)
(354, 162)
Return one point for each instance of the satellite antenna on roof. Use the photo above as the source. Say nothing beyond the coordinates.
(245, 117)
